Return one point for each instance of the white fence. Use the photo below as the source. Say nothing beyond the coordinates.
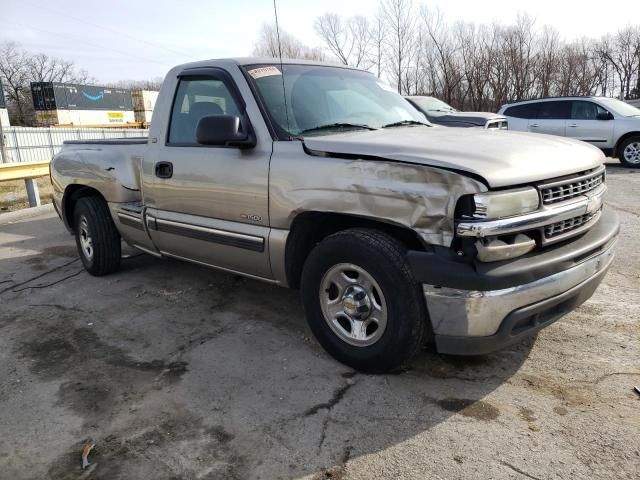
(27, 144)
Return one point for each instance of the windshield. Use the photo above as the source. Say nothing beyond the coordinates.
(431, 104)
(620, 107)
(324, 100)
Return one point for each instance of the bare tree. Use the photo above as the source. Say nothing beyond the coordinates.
(548, 58)
(400, 23)
(520, 44)
(622, 52)
(377, 36)
(480, 66)
(348, 40)
(577, 73)
(290, 47)
(361, 39)
(18, 68)
(445, 52)
(15, 79)
(43, 68)
(333, 32)
(476, 47)
(151, 84)
(499, 77)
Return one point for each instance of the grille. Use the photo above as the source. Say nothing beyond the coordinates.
(570, 188)
(554, 230)
(497, 125)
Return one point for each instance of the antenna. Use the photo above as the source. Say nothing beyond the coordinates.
(284, 91)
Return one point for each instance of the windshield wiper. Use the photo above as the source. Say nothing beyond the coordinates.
(402, 123)
(331, 126)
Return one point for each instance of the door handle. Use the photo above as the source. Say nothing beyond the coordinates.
(534, 125)
(572, 125)
(164, 169)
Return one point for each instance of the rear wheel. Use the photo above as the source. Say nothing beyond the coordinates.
(361, 300)
(97, 238)
(629, 152)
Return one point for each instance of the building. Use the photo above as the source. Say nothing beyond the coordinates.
(81, 105)
(144, 102)
(4, 114)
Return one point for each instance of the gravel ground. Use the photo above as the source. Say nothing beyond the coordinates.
(178, 372)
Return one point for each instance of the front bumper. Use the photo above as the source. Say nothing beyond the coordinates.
(475, 312)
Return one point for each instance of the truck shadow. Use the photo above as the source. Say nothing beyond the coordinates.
(181, 372)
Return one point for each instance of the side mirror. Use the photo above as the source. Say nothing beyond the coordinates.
(604, 116)
(222, 130)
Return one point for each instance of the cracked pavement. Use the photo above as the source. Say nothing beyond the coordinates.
(179, 372)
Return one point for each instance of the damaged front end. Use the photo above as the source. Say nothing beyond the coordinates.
(523, 258)
(497, 264)
(511, 223)
(417, 197)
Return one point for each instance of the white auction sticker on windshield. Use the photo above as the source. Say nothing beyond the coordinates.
(264, 72)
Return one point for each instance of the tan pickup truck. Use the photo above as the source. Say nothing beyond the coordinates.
(323, 178)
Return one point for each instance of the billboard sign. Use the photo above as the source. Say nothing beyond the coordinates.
(67, 96)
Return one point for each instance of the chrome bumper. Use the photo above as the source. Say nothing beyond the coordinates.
(472, 313)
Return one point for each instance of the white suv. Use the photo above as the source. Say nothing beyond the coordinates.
(609, 124)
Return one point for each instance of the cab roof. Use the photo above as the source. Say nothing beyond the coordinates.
(544, 99)
(243, 61)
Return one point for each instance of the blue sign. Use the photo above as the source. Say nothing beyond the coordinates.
(94, 98)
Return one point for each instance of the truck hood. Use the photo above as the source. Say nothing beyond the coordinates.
(473, 118)
(502, 158)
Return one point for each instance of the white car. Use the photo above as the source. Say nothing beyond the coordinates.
(607, 123)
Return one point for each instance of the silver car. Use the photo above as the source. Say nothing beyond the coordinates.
(607, 123)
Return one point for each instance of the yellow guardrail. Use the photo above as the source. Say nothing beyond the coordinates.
(23, 170)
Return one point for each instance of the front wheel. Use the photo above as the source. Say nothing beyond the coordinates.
(361, 300)
(629, 153)
(97, 238)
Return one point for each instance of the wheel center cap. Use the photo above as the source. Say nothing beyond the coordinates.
(356, 302)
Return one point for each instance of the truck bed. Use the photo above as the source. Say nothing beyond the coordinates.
(111, 166)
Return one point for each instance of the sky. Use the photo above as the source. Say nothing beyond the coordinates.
(141, 39)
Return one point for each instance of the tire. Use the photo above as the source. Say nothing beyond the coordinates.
(97, 238)
(377, 262)
(629, 152)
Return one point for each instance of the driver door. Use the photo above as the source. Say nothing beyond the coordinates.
(208, 204)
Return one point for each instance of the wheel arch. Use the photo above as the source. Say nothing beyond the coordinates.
(73, 193)
(622, 139)
(309, 228)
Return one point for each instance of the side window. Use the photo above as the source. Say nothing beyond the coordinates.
(197, 98)
(554, 110)
(583, 110)
(528, 110)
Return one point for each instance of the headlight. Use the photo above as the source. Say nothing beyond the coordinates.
(494, 205)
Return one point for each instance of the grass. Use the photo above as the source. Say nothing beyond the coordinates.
(13, 195)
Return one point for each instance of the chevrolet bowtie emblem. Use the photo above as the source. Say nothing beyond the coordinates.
(594, 204)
